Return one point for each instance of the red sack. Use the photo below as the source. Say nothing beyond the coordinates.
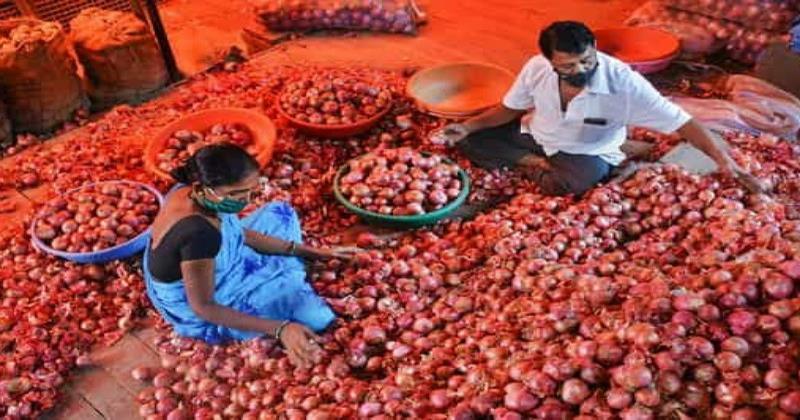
(396, 16)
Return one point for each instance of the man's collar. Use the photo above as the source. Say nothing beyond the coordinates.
(599, 82)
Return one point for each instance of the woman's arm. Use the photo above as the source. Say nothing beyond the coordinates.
(271, 245)
(198, 276)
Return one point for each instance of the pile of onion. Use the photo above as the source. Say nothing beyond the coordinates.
(184, 143)
(397, 16)
(401, 182)
(334, 98)
(96, 217)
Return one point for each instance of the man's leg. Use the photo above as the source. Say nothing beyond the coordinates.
(571, 174)
(496, 147)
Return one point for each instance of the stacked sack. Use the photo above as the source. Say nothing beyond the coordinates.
(395, 16)
(6, 135)
(121, 60)
(39, 83)
(742, 27)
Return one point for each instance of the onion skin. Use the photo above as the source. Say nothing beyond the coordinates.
(550, 294)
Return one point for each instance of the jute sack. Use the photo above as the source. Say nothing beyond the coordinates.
(121, 60)
(6, 136)
(38, 80)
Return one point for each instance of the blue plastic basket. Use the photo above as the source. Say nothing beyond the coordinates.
(118, 252)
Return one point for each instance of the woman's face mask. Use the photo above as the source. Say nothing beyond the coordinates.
(224, 205)
(233, 201)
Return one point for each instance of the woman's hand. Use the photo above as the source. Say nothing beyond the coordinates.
(301, 345)
(341, 252)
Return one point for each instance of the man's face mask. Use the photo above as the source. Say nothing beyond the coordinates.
(576, 71)
(579, 79)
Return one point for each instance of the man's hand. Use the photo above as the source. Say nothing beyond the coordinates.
(301, 345)
(342, 252)
(452, 133)
(753, 184)
(531, 162)
(746, 179)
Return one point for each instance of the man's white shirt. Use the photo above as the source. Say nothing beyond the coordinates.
(596, 120)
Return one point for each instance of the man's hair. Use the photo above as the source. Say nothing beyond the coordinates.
(567, 37)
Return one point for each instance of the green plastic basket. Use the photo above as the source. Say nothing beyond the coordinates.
(403, 221)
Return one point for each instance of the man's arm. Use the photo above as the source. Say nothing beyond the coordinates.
(493, 117)
(649, 109)
(700, 138)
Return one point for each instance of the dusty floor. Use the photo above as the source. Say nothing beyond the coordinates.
(498, 31)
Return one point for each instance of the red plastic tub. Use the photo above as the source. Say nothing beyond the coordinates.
(647, 50)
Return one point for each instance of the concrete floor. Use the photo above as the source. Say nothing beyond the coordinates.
(503, 32)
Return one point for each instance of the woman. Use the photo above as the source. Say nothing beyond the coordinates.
(217, 278)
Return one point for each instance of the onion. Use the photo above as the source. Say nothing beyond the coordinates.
(741, 321)
(632, 377)
(729, 393)
(727, 361)
(520, 400)
(777, 379)
(374, 335)
(669, 383)
(618, 398)
(440, 399)
(736, 345)
(541, 384)
(790, 402)
(574, 391)
(778, 287)
(636, 413)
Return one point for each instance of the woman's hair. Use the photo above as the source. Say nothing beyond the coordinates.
(567, 37)
(215, 165)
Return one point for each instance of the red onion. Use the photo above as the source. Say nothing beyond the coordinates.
(440, 399)
(574, 391)
(618, 398)
(632, 377)
(374, 335)
(778, 286)
(736, 345)
(790, 402)
(727, 361)
(541, 384)
(520, 400)
(637, 413)
(777, 379)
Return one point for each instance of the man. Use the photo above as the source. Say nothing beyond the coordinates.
(564, 119)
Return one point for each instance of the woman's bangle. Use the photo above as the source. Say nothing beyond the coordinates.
(279, 330)
(292, 247)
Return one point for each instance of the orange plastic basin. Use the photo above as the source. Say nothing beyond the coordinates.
(459, 90)
(335, 131)
(261, 127)
(637, 45)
